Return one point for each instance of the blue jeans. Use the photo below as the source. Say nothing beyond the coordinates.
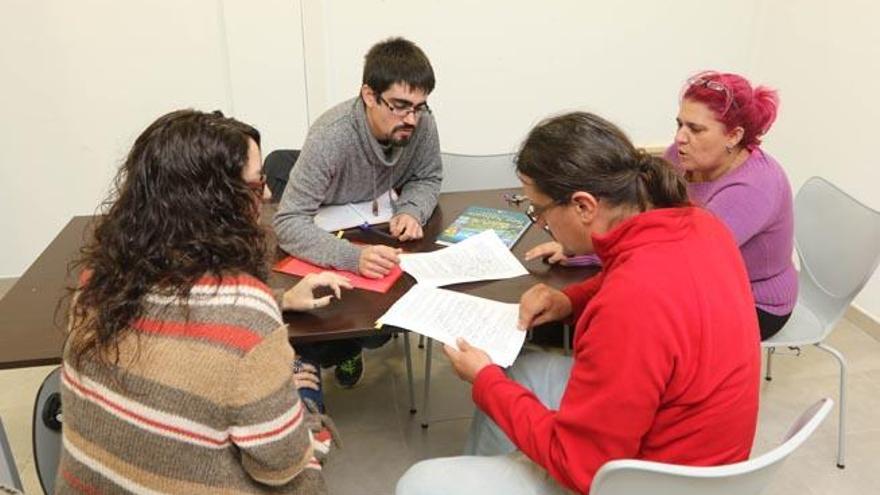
(492, 464)
(315, 396)
(333, 352)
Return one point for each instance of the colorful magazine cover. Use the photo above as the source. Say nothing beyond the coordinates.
(508, 224)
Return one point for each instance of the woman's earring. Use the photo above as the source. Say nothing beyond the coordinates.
(729, 149)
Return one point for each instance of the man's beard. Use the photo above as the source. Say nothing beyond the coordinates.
(401, 141)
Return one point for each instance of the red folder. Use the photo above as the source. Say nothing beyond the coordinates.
(300, 268)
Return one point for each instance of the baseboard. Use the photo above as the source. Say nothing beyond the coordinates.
(858, 317)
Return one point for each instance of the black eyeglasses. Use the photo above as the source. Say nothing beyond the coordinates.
(535, 213)
(402, 109)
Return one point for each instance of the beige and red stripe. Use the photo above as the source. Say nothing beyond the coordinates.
(177, 427)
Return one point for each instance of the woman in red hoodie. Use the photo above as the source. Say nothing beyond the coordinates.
(666, 359)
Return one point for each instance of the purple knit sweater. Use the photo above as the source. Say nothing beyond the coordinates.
(754, 201)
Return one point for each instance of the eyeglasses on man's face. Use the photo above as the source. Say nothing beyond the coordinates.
(536, 212)
(402, 108)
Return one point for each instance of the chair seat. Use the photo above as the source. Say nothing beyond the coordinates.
(803, 328)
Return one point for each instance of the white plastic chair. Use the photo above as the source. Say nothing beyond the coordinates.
(629, 476)
(838, 244)
(475, 172)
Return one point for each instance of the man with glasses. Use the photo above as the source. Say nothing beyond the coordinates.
(383, 139)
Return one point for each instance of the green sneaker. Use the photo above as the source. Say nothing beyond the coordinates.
(349, 372)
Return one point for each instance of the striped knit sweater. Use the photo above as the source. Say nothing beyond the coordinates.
(206, 403)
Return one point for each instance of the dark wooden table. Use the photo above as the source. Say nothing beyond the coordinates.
(31, 320)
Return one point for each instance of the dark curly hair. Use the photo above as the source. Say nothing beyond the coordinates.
(179, 210)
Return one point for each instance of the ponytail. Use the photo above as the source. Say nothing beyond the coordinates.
(657, 183)
(765, 103)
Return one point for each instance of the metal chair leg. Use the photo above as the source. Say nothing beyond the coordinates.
(770, 351)
(409, 372)
(841, 423)
(426, 403)
(566, 339)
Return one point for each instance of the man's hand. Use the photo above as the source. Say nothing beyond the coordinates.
(551, 251)
(301, 297)
(378, 261)
(405, 227)
(468, 360)
(542, 304)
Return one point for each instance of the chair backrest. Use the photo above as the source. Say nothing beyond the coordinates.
(750, 477)
(474, 172)
(838, 243)
(47, 430)
(9, 479)
(277, 167)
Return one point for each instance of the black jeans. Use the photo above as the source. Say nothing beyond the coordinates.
(770, 324)
(333, 352)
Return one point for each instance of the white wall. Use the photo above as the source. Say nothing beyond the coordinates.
(824, 57)
(503, 65)
(81, 78)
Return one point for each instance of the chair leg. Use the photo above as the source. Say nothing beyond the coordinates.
(426, 403)
(566, 336)
(409, 373)
(770, 351)
(841, 423)
(421, 341)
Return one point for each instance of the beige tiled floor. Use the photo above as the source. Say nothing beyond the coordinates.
(382, 439)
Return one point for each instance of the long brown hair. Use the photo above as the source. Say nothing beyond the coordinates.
(580, 151)
(179, 209)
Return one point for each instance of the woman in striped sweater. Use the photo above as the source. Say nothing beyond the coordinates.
(177, 371)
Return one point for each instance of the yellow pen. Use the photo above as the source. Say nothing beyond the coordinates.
(339, 234)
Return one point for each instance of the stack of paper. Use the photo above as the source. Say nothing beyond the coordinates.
(340, 217)
(480, 257)
(445, 315)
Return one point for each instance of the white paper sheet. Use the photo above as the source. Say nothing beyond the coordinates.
(480, 257)
(445, 315)
(338, 217)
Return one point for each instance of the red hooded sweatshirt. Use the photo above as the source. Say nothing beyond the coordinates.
(666, 356)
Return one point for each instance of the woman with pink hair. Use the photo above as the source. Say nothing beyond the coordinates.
(721, 120)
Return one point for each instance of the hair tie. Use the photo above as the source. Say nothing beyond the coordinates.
(643, 162)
